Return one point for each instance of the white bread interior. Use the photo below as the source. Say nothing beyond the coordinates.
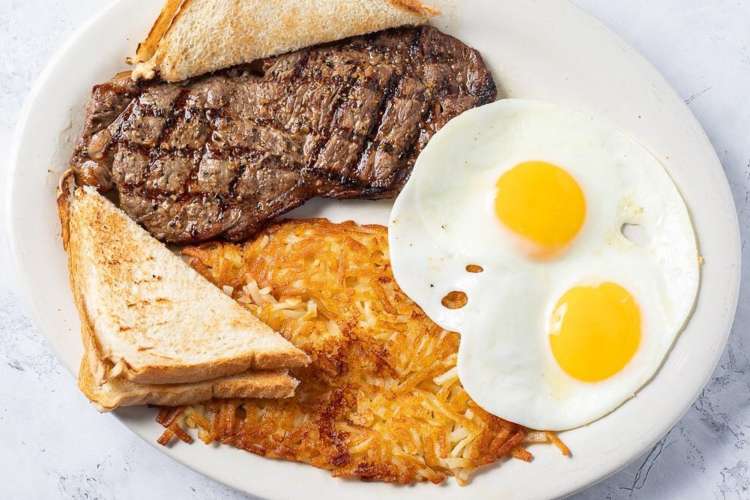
(192, 37)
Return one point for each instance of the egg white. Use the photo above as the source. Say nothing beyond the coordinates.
(444, 220)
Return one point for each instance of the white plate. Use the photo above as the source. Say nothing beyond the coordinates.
(536, 49)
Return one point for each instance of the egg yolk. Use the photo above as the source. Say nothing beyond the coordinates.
(541, 203)
(595, 331)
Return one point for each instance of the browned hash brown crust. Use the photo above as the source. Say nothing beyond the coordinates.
(381, 400)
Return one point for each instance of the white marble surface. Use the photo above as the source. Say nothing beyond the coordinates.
(54, 445)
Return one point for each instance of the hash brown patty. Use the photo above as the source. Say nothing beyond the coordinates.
(381, 399)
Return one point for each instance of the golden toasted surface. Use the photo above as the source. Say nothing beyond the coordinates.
(381, 399)
(137, 301)
(193, 37)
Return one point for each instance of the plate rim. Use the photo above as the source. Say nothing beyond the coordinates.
(24, 284)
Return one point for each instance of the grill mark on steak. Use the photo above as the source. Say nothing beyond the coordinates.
(221, 155)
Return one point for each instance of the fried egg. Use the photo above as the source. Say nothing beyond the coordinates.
(558, 247)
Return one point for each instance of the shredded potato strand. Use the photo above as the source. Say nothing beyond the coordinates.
(381, 399)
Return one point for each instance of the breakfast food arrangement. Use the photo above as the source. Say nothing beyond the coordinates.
(537, 267)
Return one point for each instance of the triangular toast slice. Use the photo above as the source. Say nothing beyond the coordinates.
(192, 37)
(153, 318)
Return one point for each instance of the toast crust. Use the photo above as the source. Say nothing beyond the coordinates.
(147, 48)
(192, 37)
(416, 7)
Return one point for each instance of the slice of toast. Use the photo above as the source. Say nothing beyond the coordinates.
(152, 317)
(109, 393)
(192, 37)
(118, 393)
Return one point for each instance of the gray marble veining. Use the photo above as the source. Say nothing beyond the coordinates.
(54, 445)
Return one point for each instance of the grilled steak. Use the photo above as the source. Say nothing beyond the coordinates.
(223, 154)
